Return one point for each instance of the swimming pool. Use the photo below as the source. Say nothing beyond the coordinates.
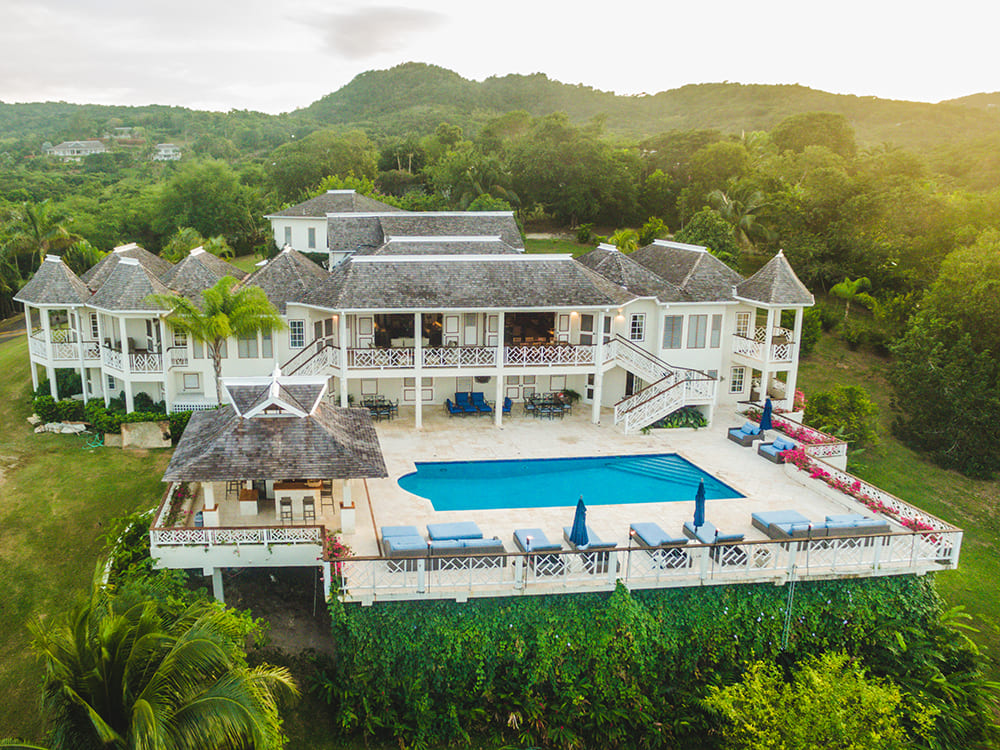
(554, 482)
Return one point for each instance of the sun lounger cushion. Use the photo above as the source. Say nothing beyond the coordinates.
(796, 531)
(783, 444)
(455, 530)
(539, 542)
(388, 531)
(398, 544)
(765, 519)
(595, 541)
(708, 534)
(652, 535)
(749, 428)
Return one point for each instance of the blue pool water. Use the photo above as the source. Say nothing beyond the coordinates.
(553, 482)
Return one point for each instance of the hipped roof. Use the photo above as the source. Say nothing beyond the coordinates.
(54, 283)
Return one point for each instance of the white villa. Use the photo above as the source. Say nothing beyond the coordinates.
(76, 150)
(167, 152)
(417, 308)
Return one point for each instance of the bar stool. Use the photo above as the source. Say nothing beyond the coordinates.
(309, 509)
(326, 494)
(286, 509)
(233, 487)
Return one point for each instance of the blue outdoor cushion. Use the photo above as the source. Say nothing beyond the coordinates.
(445, 544)
(749, 428)
(845, 518)
(539, 542)
(405, 544)
(768, 517)
(390, 531)
(654, 536)
(772, 449)
(594, 541)
(455, 530)
(783, 444)
(481, 544)
(708, 534)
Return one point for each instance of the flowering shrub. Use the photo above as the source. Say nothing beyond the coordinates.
(800, 434)
(180, 495)
(335, 550)
(798, 401)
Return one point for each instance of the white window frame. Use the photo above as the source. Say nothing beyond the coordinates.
(246, 347)
(311, 241)
(191, 381)
(180, 338)
(266, 345)
(676, 330)
(637, 327)
(112, 384)
(95, 329)
(743, 324)
(737, 379)
(296, 334)
(288, 236)
(697, 329)
(715, 339)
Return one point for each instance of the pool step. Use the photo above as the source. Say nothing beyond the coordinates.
(677, 475)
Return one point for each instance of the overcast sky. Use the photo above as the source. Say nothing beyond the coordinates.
(278, 56)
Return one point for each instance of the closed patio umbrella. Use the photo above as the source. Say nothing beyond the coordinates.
(578, 534)
(699, 505)
(765, 417)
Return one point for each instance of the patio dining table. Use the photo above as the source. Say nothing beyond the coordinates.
(548, 405)
(379, 407)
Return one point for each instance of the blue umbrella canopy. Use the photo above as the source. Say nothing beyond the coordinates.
(765, 417)
(699, 505)
(578, 534)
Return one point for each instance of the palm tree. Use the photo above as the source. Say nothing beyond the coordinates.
(37, 229)
(122, 674)
(740, 207)
(853, 291)
(625, 240)
(225, 312)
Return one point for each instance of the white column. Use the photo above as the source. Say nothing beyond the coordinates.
(100, 350)
(347, 518)
(793, 368)
(498, 404)
(418, 366)
(342, 335)
(50, 371)
(79, 348)
(210, 511)
(765, 373)
(327, 580)
(217, 591)
(595, 413)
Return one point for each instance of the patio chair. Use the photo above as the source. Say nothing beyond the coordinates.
(745, 435)
(285, 505)
(463, 402)
(403, 545)
(507, 406)
(309, 510)
(534, 541)
(596, 555)
(530, 408)
(724, 547)
(453, 410)
(663, 549)
(480, 402)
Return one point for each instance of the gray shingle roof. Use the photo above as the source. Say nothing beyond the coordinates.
(98, 273)
(335, 202)
(775, 284)
(331, 443)
(287, 277)
(351, 234)
(621, 270)
(463, 281)
(702, 276)
(200, 270)
(484, 245)
(53, 284)
(128, 287)
(453, 224)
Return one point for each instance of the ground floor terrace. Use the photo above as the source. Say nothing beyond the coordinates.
(369, 575)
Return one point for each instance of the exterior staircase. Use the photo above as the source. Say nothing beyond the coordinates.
(313, 360)
(670, 389)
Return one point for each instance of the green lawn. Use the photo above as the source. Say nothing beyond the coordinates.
(246, 263)
(55, 500)
(556, 246)
(968, 503)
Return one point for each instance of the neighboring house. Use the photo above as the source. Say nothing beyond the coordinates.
(76, 150)
(121, 133)
(167, 152)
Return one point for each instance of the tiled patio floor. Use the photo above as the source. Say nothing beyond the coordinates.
(764, 484)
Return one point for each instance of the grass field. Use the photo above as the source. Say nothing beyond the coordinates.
(556, 246)
(968, 503)
(55, 500)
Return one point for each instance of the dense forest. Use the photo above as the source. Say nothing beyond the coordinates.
(890, 205)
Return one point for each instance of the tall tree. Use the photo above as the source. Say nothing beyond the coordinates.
(225, 312)
(853, 291)
(36, 229)
(122, 674)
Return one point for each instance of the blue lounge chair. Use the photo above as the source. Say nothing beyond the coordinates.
(663, 548)
(455, 530)
(746, 434)
(708, 534)
(481, 404)
(402, 545)
(534, 541)
(596, 555)
(764, 520)
(772, 451)
(507, 405)
(462, 401)
(452, 409)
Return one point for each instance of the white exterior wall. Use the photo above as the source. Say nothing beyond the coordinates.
(300, 226)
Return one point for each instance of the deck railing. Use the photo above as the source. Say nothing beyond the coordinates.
(772, 561)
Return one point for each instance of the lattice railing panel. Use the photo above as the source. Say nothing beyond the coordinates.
(91, 350)
(145, 362)
(66, 351)
(782, 352)
(653, 409)
(459, 356)
(380, 359)
(113, 359)
(178, 357)
(748, 347)
(564, 354)
(37, 346)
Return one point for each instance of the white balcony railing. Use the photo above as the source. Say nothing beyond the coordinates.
(205, 536)
(113, 358)
(380, 359)
(177, 356)
(145, 362)
(780, 349)
(559, 354)
(37, 346)
(460, 356)
(91, 351)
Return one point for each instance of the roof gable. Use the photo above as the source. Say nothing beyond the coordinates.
(97, 274)
(287, 277)
(199, 271)
(775, 284)
(128, 288)
(332, 202)
(620, 269)
(702, 276)
(54, 283)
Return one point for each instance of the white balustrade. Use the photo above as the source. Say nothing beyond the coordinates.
(36, 346)
(210, 536)
(564, 354)
(178, 357)
(782, 352)
(66, 351)
(112, 358)
(380, 359)
(748, 347)
(368, 579)
(148, 362)
(460, 356)
(91, 351)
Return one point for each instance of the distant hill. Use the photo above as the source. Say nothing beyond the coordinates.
(414, 94)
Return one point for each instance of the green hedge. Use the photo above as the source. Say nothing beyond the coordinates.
(103, 419)
(618, 670)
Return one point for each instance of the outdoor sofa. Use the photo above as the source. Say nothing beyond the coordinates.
(746, 434)
(460, 545)
(785, 525)
(772, 451)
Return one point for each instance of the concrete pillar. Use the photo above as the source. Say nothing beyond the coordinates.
(50, 371)
(342, 337)
(498, 404)
(418, 367)
(327, 580)
(100, 347)
(765, 373)
(34, 375)
(793, 369)
(595, 413)
(217, 591)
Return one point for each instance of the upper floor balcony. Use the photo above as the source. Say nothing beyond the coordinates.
(778, 347)
(62, 345)
(134, 362)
